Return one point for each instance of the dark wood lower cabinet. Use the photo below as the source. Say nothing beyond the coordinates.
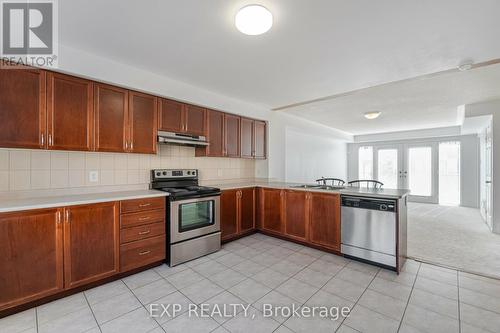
(91, 243)
(31, 256)
(271, 207)
(296, 214)
(237, 212)
(325, 220)
(229, 214)
(247, 209)
(46, 253)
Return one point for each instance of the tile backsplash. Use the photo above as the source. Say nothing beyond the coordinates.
(22, 170)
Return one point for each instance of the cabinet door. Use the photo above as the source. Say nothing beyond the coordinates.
(22, 108)
(229, 214)
(142, 123)
(70, 112)
(296, 210)
(247, 209)
(91, 243)
(271, 210)
(232, 135)
(31, 260)
(215, 133)
(171, 116)
(247, 140)
(260, 139)
(325, 220)
(111, 111)
(194, 120)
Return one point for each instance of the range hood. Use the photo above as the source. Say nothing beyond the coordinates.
(182, 139)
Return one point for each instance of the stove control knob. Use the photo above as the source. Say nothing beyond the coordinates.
(158, 174)
(194, 173)
(189, 172)
(164, 173)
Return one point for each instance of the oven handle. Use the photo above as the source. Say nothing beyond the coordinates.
(185, 201)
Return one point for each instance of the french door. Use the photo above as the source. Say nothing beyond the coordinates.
(412, 167)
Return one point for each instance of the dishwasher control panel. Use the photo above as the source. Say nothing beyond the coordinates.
(369, 203)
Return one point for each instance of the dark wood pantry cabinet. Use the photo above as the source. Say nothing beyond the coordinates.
(232, 135)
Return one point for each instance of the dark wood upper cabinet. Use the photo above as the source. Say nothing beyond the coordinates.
(171, 116)
(247, 138)
(271, 210)
(22, 108)
(296, 214)
(194, 120)
(232, 135)
(229, 214)
(111, 112)
(215, 135)
(324, 222)
(247, 209)
(91, 243)
(142, 123)
(70, 112)
(31, 260)
(259, 139)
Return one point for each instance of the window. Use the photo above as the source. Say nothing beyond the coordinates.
(388, 167)
(365, 160)
(449, 173)
(420, 171)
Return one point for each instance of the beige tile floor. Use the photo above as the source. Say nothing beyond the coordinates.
(456, 237)
(259, 269)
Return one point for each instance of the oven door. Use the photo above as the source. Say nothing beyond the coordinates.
(193, 218)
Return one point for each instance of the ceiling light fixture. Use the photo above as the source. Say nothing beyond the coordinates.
(372, 115)
(253, 20)
(465, 66)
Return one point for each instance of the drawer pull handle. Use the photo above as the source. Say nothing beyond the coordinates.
(144, 253)
(145, 218)
(145, 205)
(144, 232)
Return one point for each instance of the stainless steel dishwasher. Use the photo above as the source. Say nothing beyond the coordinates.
(369, 229)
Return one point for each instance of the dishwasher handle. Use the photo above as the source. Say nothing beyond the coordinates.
(370, 203)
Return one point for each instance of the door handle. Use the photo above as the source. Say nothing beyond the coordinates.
(144, 253)
(42, 139)
(144, 232)
(488, 182)
(50, 139)
(144, 205)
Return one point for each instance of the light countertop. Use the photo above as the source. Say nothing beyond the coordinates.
(377, 193)
(18, 204)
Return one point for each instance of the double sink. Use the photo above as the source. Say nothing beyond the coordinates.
(319, 187)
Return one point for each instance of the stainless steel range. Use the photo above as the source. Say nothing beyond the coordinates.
(193, 214)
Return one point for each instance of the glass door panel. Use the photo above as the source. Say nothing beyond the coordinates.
(420, 174)
(449, 173)
(365, 163)
(387, 167)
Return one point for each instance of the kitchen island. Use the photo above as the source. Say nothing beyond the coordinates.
(313, 217)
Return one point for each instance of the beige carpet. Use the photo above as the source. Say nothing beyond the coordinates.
(453, 236)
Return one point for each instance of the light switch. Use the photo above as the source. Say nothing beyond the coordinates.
(93, 176)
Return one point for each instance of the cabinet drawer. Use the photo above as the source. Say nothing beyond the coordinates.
(142, 218)
(141, 253)
(128, 235)
(140, 205)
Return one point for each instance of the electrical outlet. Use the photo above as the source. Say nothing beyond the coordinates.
(93, 176)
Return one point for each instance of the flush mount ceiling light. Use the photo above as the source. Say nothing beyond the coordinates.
(253, 20)
(465, 66)
(372, 115)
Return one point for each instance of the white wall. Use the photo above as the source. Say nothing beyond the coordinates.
(310, 156)
(482, 109)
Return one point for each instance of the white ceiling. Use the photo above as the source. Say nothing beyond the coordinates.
(408, 105)
(316, 48)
